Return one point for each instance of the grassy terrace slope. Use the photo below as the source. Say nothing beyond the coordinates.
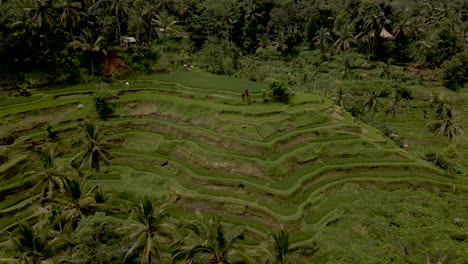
(189, 137)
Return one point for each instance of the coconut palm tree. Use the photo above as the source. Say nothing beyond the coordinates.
(211, 243)
(42, 14)
(322, 39)
(35, 244)
(118, 8)
(42, 17)
(371, 102)
(70, 16)
(148, 14)
(374, 22)
(147, 230)
(281, 41)
(93, 152)
(76, 201)
(340, 97)
(394, 105)
(345, 38)
(281, 252)
(445, 126)
(89, 44)
(48, 174)
(165, 22)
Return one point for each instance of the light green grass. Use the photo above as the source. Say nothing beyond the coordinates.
(188, 139)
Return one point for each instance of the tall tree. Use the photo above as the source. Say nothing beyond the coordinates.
(371, 102)
(118, 8)
(42, 14)
(165, 22)
(212, 244)
(35, 244)
(89, 44)
(48, 174)
(93, 152)
(147, 230)
(374, 22)
(281, 251)
(445, 125)
(394, 106)
(322, 39)
(70, 16)
(76, 201)
(345, 38)
(340, 97)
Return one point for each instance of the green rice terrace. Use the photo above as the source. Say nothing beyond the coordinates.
(188, 139)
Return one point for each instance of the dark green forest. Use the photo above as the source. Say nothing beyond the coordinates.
(55, 42)
(233, 131)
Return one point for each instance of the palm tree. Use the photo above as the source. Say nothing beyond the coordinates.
(165, 22)
(345, 38)
(148, 228)
(89, 44)
(339, 97)
(182, 9)
(148, 14)
(373, 24)
(41, 14)
(70, 16)
(48, 175)
(251, 15)
(136, 20)
(118, 8)
(281, 251)
(371, 102)
(322, 39)
(93, 153)
(281, 41)
(211, 243)
(394, 105)
(34, 244)
(76, 202)
(445, 126)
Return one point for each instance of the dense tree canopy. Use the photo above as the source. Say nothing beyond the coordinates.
(60, 40)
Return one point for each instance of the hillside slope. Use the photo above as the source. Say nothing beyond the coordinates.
(203, 149)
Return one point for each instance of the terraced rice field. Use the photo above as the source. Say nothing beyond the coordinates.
(190, 139)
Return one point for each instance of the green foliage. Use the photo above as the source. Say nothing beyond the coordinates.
(51, 134)
(401, 226)
(102, 103)
(93, 152)
(455, 71)
(96, 239)
(443, 161)
(34, 244)
(280, 92)
(405, 93)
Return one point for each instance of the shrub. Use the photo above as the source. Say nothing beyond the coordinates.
(443, 162)
(455, 71)
(280, 92)
(51, 134)
(104, 108)
(405, 93)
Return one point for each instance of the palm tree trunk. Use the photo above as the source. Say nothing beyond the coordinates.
(438, 152)
(71, 32)
(159, 253)
(92, 67)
